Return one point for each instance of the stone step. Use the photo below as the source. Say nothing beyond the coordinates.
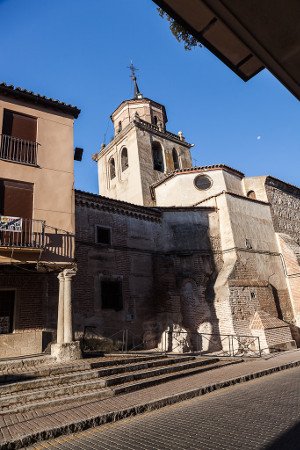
(177, 366)
(58, 380)
(14, 365)
(141, 384)
(98, 389)
(52, 368)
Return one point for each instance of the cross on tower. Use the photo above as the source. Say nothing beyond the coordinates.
(137, 93)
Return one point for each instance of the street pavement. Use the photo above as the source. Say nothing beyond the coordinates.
(261, 414)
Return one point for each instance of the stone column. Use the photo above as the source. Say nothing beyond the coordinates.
(65, 349)
(68, 320)
(60, 316)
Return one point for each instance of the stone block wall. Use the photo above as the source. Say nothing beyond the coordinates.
(285, 207)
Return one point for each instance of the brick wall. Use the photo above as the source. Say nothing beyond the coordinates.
(153, 257)
(30, 301)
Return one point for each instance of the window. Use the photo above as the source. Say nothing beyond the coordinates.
(103, 235)
(18, 142)
(7, 305)
(203, 182)
(175, 159)
(19, 126)
(248, 244)
(252, 294)
(16, 199)
(124, 159)
(158, 159)
(154, 120)
(251, 194)
(112, 168)
(119, 126)
(111, 294)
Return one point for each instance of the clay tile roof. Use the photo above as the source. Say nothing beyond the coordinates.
(31, 97)
(199, 168)
(88, 198)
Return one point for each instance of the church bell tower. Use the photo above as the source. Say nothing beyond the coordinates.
(142, 152)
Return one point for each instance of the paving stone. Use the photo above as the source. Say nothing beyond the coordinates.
(90, 414)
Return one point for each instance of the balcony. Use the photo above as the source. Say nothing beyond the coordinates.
(18, 150)
(19, 233)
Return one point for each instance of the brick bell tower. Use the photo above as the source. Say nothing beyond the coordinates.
(142, 151)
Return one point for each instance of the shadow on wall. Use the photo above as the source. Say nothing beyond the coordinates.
(184, 298)
(59, 246)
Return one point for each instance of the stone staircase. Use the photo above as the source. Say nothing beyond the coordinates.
(26, 386)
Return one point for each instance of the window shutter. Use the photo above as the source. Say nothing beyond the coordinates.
(7, 122)
(18, 199)
(24, 127)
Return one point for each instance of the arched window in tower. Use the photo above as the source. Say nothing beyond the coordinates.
(154, 120)
(119, 126)
(112, 168)
(175, 159)
(158, 159)
(124, 159)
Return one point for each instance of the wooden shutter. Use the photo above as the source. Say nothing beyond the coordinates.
(7, 122)
(18, 199)
(19, 125)
(24, 127)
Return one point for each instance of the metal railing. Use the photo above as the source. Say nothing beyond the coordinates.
(203, 344)
(214, 344)
(21, 233)
(18, 150)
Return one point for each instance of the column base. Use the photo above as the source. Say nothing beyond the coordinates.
(66, 352)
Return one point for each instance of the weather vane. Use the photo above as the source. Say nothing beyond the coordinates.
(132, 70)
(137, 93)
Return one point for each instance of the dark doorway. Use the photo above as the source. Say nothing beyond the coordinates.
(7, 306)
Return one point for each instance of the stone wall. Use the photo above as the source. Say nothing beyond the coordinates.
(285, 207)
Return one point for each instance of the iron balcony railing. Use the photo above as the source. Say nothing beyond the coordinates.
(16, 232)
(18, 150)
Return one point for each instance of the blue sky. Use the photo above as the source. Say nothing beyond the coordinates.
(78, 52)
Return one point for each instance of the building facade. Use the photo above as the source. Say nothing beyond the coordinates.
(251, 238)
(37, 218)
(182, 258)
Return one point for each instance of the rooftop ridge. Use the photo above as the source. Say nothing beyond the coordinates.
(131, 208)
(196, 168)
(10, 90)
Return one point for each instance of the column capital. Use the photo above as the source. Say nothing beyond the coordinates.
(61, 276)
(69, 273)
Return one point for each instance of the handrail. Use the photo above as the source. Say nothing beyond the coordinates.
(16, 232)
(18, 150)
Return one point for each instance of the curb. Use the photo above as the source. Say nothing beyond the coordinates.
(138, 409)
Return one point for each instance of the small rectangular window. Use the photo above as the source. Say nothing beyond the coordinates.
(248, 244)
(111, 294)
(103, 235)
